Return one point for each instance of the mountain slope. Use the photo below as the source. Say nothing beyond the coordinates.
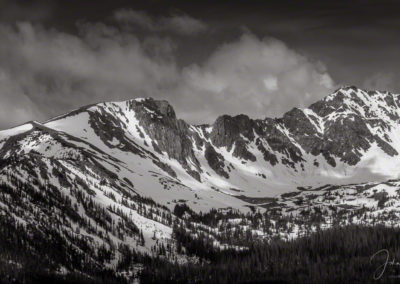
(343, 138)
(348, 137)
(111, 178)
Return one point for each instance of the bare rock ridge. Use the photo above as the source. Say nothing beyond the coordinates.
(170, 135)
(107, 181)
(340, 127)
(228, 131)
(142, 144)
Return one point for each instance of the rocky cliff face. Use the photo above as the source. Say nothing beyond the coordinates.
(345, 137)
(230, 131)
(340, 128)
(103, 181)
(169, 134)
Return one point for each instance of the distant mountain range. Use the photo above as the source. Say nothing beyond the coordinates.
(119, 174)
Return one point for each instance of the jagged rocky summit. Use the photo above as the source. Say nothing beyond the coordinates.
(350, 136)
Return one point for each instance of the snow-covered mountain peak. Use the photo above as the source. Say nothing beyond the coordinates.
(117, 176)
(350, 136)
(351, 100)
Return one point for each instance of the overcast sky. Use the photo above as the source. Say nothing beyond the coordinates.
(206, 58)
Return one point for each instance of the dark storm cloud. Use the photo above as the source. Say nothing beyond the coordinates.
(11, 10)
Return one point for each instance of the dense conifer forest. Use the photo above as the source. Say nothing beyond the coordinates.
(337, 255)
(221, 246)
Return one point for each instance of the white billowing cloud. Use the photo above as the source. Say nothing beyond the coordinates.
(47, 72)
(182, 24)
(59, 71)
(271, 83)
(258, 77)
(325, 80)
